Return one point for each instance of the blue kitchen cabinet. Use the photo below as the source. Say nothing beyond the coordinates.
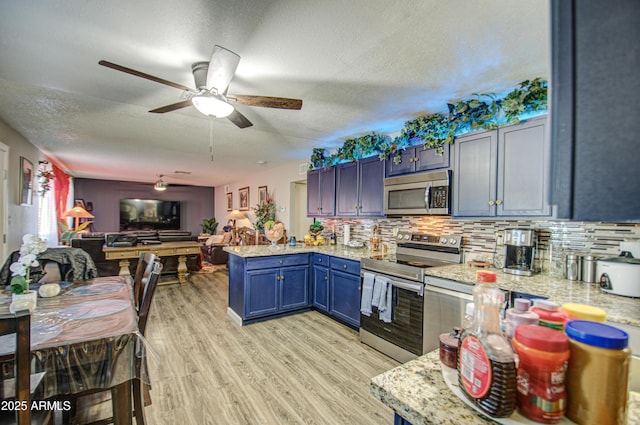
(320, 282)
(360, 188)
(503, 173)
(261, 287)
(321, 191)
(344, 291)
(416, 159)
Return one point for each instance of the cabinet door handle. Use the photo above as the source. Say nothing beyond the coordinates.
(491, 203)
(499, 202)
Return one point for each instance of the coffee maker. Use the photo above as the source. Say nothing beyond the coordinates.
(520, 251)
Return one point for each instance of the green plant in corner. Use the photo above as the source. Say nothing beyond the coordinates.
(67, 233)
(209, 226)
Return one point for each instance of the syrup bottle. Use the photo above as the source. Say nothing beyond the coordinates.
(487, 370)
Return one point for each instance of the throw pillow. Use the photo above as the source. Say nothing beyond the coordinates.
(215, 239)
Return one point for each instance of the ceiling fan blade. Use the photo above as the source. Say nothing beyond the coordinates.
(172, 107)
(143, 75)
(267, 101)
(222, 68)
(240, 120)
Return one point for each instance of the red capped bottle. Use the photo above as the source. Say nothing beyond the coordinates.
(487, 370)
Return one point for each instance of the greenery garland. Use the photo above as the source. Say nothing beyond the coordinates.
(482, 111)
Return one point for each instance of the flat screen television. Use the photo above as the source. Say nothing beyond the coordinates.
(149, 214)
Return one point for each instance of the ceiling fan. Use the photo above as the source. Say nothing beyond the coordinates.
(212, 82)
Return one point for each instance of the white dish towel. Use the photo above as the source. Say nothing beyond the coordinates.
(367, 293)
(379, 288)
(385, 309)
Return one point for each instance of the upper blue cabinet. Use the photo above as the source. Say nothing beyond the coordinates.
(503, 172)
(594, 109)
(415, 159)
(321, 192)
(360, 188)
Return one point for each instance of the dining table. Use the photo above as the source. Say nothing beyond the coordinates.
(86, 338)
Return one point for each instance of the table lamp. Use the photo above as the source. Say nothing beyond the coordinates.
(78, 212)
(235, 215)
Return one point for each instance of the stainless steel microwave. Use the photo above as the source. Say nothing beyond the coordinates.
(418, 194)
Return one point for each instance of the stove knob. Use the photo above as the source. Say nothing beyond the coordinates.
(406, 237)
(452, 241)
(443, 240)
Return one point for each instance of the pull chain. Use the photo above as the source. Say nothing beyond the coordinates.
(211, 138)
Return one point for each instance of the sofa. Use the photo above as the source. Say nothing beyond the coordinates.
(93, 243)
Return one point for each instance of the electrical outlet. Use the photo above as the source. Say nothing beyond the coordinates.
(499, 238)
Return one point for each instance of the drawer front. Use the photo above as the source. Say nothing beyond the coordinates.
(162, 251)
(347, 266)
(189, 250)
(321, 260)
(118, 255)
(277, 261)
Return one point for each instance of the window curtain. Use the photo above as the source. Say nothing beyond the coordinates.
(47, 222)
(61, 188)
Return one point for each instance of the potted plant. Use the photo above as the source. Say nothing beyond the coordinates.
(209, 226)
(22, 296)
(67, 233)
(264, 212)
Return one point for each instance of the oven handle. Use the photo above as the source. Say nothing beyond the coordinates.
(417, 288)
(449, 292)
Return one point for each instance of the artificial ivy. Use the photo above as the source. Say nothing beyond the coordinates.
(480, 111)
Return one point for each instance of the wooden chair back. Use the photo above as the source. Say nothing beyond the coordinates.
(143, 271)
(148, 289)
(20, 324)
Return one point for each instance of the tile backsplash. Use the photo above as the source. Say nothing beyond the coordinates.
(555, 238)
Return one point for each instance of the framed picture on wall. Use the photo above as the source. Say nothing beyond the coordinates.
(79, 203)
(244, 198)
(262, 194)
(26, 181)
(229, 201)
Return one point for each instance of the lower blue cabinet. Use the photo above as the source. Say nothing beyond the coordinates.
(321, 288)
(261, 297)
(344, 291)
(293, 283)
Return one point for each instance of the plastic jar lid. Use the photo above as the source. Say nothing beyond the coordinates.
(541, 338)
(482, 276)
(585, 312)
(597, 334)
(545, 304)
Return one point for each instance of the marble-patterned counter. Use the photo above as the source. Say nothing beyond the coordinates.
(417, 391)
(267, 250)
(619, 309)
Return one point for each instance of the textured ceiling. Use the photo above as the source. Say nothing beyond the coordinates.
(359, 66)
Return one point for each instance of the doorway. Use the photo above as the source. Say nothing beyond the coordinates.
(298, 215)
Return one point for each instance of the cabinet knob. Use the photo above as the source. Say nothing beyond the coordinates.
(499, 202)
(280, 261)
(326, 278)
(344, 266)
(281, 277)
(416, 159)
(491, 203)
(319, 260)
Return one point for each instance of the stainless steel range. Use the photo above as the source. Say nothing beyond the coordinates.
(403, 337)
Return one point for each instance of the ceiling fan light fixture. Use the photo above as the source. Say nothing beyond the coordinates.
(160, 186)
(211, 105)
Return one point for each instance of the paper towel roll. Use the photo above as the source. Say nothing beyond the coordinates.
(347, 233)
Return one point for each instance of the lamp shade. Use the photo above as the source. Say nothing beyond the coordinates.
(212, 105)
(235, 215)
(78, 212)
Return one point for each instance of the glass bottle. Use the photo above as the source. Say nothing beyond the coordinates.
(487, 371)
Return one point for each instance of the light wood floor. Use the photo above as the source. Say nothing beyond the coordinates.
(301, 369)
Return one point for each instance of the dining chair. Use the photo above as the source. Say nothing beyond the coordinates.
(143, 270)
(140, 393)
(20, 388)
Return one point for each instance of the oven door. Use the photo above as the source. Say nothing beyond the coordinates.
(405, 329)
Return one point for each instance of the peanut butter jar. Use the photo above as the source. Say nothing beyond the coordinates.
(597, 374)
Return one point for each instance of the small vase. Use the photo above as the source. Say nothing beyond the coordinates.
(26, 301)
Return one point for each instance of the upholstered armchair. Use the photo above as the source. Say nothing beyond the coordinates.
(212, 250)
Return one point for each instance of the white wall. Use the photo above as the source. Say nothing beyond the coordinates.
(278, 181)
(22, 219)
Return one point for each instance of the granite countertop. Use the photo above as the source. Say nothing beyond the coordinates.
(267, 250)
(619, 309)
(417, 391)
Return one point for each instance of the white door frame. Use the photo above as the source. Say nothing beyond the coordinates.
(4, 198)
